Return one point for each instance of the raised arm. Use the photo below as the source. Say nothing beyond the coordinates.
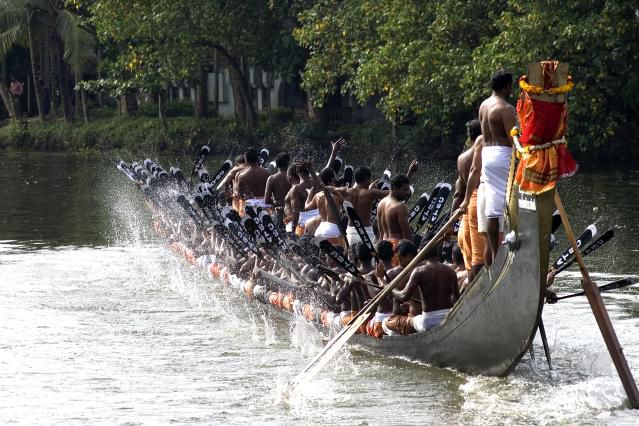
(412, 168)
(335, 147)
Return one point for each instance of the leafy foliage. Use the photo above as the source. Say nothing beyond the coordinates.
(434, 58)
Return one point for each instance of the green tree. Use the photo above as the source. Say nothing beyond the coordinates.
(160, 42)
(33, 23)
(433, 59)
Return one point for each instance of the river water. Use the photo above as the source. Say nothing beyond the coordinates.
(100, 323)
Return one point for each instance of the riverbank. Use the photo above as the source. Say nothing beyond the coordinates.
(370, 141)
(186, 134)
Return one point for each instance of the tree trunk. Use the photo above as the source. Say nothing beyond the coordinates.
(38, 89)
(7, 100)
(99, 56)
(161, 114)
(216, 84)
(201, 93)
(65, 93)
(76, 77)
(84, 106)
(239, 99)
(244, 108)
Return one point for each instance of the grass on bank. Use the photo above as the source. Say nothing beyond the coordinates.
(278, 132)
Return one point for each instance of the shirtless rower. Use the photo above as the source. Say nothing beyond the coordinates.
(362, 196)
(400, 322)
(392, 213)
(472, 243)
(497, 118)
(437, 286)
(228, 182)
(290, 217)
(251, 182)
(329, 228)
(385, 307)
(297, 199)
(277, 186)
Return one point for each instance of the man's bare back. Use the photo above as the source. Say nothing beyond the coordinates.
(251, 182)
(392, 218)
(362, 200)
(436, 283)
(277, 187)
(497, 117)
(320, 203)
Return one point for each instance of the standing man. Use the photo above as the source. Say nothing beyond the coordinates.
(392, 213)
(471, 242)
(497, 118)
(251, 182)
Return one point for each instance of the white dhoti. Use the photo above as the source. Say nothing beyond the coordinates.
(482, 220)
(257, 202)
(353, 237)
(495, 167)
(326, 231)
(428, 320)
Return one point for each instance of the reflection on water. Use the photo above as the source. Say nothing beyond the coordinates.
(101, 324)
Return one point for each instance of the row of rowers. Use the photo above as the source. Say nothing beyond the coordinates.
(327, 295)
(295, 198)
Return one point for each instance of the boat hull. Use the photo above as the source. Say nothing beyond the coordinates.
(492, 325)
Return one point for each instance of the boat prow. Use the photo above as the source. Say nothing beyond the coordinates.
(491, 326)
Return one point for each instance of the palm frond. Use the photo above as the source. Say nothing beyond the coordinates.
(79, 42)
(11, 16)
(10, 38)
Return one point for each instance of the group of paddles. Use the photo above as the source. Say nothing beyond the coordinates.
(348, 252)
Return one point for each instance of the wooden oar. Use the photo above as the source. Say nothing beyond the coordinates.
(601, 315)
(625, 282)
(362, 316)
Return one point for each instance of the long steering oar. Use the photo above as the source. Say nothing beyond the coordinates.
(603, 239)
(345, 333)
(625, 282)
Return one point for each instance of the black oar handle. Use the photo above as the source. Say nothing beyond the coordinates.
(625, 282)
(361, 231)
(204, 151)
(339, 258)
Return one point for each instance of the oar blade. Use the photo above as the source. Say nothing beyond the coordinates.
(330, 350)
(585, 236)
